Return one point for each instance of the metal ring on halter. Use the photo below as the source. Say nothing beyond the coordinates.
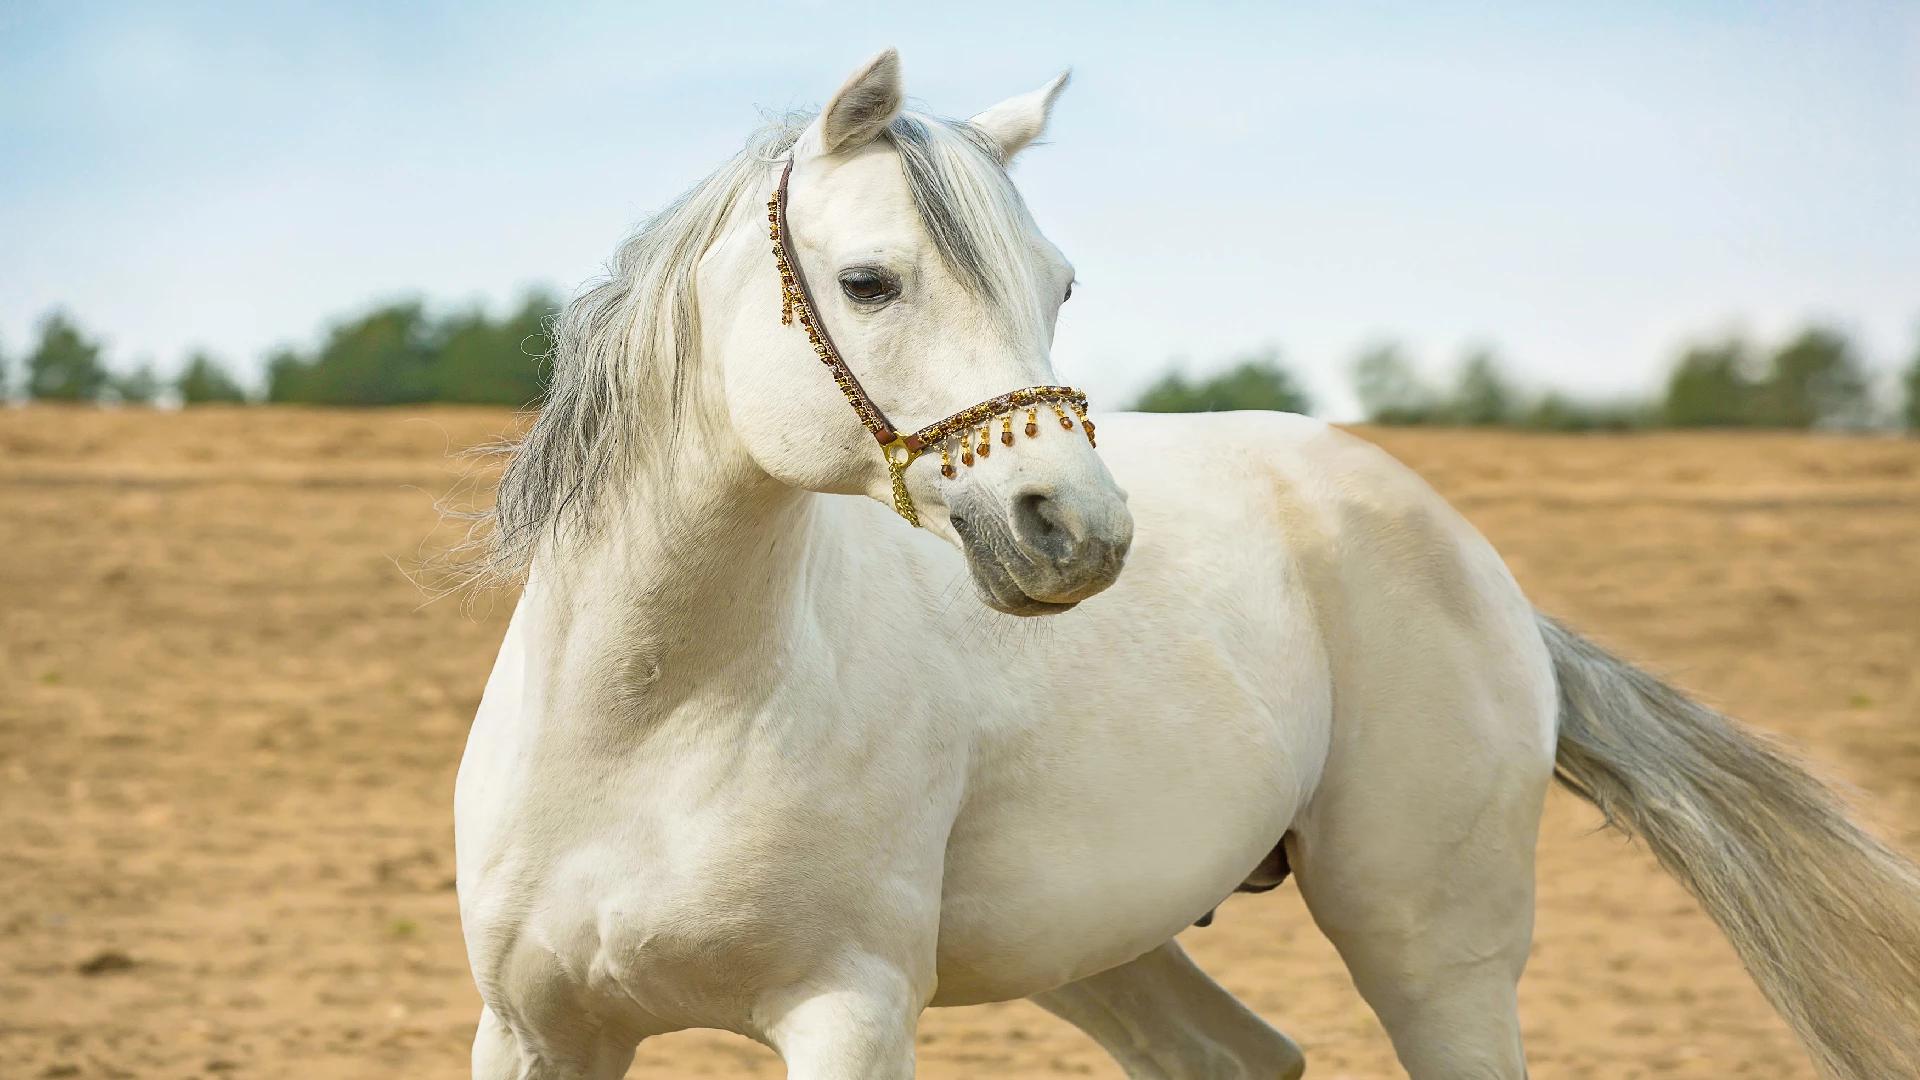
(900, 441)
(797, 299)
(897, 474)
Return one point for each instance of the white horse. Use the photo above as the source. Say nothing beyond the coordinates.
(751, 759)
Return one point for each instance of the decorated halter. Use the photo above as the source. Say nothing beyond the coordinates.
(964, 428)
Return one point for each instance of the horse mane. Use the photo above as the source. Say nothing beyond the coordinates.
(623, 346)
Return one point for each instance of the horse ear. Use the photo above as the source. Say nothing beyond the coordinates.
(1017, 121)
(863, 106)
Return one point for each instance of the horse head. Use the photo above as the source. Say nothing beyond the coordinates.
(939, 292)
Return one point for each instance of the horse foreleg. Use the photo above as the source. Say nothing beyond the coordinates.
(1162, 1018)
(501, 1054)
(496, 1052)
(857, 1027)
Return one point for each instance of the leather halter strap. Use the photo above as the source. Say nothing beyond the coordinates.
(795, 280)
(797, 299)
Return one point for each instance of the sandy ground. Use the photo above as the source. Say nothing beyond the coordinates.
(229, 728)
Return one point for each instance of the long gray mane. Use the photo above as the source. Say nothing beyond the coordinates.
(624, 346)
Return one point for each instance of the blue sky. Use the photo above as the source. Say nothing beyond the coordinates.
(1586, 185)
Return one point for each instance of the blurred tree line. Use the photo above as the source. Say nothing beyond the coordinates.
(1255, 381)
(394, 354)
(1814, 380)
(397, 355)
(400, 353)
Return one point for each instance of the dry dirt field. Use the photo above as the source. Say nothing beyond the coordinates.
(229, 727)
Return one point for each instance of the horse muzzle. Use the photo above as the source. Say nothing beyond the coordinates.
(1042, 552)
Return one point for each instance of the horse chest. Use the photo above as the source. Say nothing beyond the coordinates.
(700, 875)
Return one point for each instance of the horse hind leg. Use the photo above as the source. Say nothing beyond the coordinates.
(1162, 1018)
(1445, 1023)
(1419, 869)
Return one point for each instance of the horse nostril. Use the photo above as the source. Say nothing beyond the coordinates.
(1032, 513)
(1041, 528)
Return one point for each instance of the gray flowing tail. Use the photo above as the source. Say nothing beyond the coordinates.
(1825, 917)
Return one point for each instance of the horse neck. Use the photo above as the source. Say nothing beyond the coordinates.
(692, 567)
(700, 558)
(695, 562)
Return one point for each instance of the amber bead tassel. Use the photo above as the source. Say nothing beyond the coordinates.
(1086, 425)
(1032, 427)
(1006, 431)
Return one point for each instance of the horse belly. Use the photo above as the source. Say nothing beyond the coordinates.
(1056, 874)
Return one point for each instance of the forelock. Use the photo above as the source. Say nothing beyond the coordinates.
(967, 204)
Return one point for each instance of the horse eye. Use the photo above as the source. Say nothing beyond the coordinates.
(1069, 295)
(867, 286)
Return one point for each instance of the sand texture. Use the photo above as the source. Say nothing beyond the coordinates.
(229, 728)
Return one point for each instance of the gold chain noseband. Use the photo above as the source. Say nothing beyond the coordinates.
(960, 427)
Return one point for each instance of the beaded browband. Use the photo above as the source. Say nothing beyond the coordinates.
(960, 427)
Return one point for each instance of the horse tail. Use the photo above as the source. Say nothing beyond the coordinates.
(1825, 917)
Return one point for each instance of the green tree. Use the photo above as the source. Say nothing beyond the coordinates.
(65, 365)
(137, 387)
(481, 362)
(286, 376)
(1482, 396)
(1257, 381)
(381, 358)
(1712, 386)
(1390, 390)
(205, 380)
(1561, 412)
(1814, 380)
(1911, 413)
